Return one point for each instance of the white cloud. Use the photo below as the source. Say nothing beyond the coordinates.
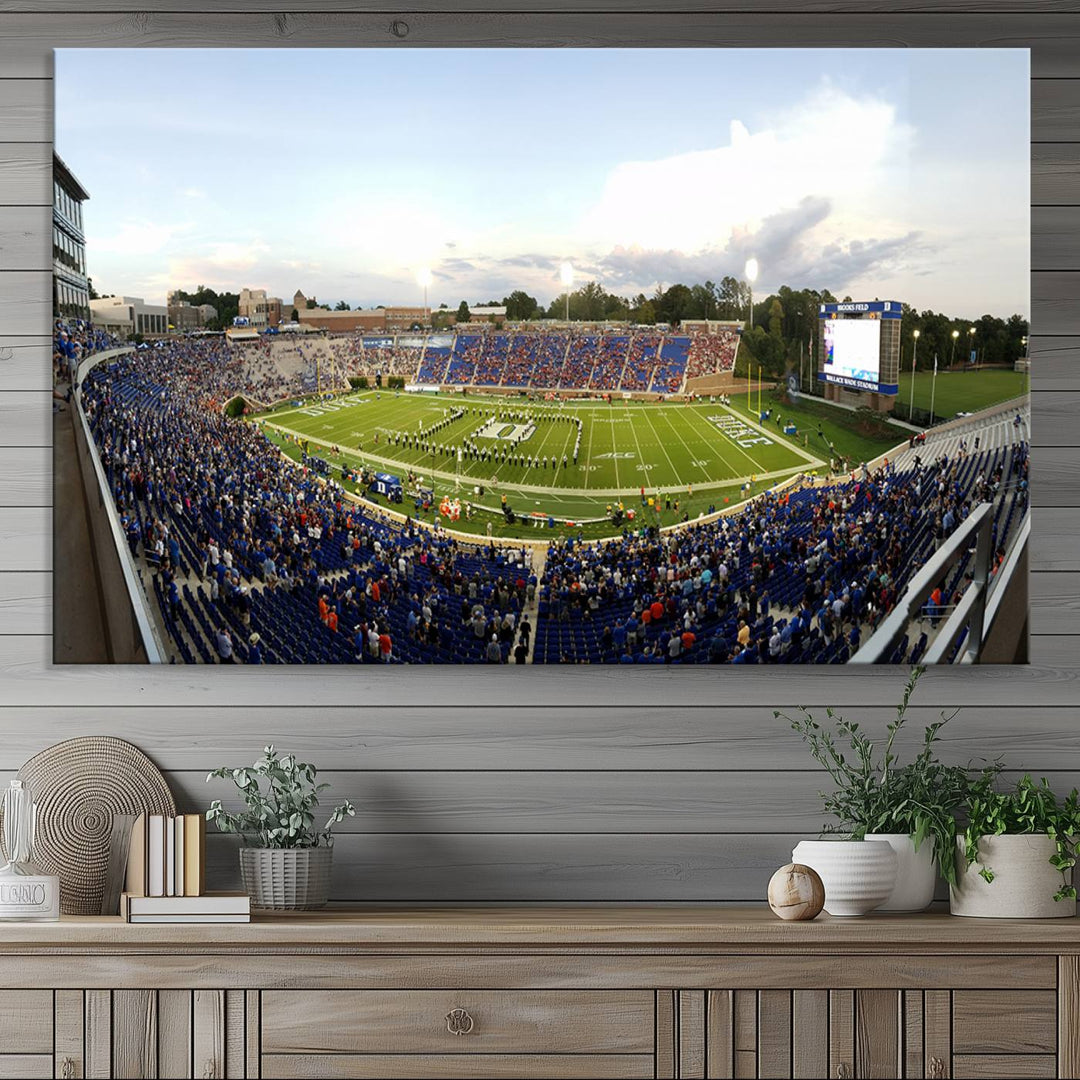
(139, 238)
(831, 148)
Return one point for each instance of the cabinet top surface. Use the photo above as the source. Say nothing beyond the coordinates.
(705, 929)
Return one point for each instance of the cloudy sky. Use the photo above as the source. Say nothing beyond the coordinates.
(899, 174)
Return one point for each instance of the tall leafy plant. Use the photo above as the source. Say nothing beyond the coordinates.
(874, 792)
(280, 798)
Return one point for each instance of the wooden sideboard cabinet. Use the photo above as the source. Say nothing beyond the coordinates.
(551, 993)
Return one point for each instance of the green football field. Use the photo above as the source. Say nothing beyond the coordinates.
(702, 455)
(961, 391)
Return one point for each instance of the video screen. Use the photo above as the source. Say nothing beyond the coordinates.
(852, 350)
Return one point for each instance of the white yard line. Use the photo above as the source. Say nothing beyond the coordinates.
(641, 457)
(693, 455)
(565, 493)
(588, 447)
(674, 471)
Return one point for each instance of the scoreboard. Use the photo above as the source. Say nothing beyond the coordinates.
(859, 345)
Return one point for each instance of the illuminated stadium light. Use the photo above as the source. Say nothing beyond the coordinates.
(566, 276)
(911, 396)
(424, 278)
(751, 271)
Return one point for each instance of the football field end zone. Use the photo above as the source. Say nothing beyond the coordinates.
(815, 462)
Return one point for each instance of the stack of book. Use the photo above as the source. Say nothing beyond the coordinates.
(207, 908)
(166, 875)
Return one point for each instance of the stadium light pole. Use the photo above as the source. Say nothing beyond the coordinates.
(971, 343)
(751, 271)
(911, 396)
(566, 276)
(952, 354)
(423, 278)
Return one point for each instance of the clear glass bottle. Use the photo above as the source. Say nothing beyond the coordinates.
(25, 892)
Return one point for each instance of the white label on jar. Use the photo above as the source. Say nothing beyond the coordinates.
(30, 897)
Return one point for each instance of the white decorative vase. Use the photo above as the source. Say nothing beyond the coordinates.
(1024, 881)
(916, 872)
(858, 875)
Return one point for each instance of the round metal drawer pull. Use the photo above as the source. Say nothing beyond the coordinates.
(459, 1022)
(937, 1069)
(67, 1069)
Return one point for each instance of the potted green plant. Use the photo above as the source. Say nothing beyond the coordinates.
(285, 859)
(911, 807)
(1016, 852)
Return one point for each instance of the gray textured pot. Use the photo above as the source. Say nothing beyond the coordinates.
(1024, 881)
(287, 879)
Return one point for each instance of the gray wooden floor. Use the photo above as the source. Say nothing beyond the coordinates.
(569, 785)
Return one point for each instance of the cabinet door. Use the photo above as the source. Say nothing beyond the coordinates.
(781, 1034)
(769, 1033)
(26, 1021)
(220, 1032)
(150, 1035)
(879, 1033)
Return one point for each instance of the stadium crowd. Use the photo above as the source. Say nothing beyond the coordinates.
(73, 341)
(257, 558)
(709, 353)
(244, 543)
(796, 577)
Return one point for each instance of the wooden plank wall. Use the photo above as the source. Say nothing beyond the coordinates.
(571, 785)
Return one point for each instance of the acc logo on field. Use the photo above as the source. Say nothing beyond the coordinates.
(622, 455)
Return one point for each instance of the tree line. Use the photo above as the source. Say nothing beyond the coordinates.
(781, 333)
(783, 330)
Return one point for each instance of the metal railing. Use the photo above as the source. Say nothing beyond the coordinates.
(969, 613)
(140, 607)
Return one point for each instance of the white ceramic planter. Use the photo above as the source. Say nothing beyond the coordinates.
(916, 872)
(1024, 881)
(858, 875)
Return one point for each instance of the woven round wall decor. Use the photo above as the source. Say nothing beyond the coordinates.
(78, 785)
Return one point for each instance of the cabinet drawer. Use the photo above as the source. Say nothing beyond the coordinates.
(459, 1066)
(26, 1066)
(457, 1021)
(1004, 1022)
(1005, 1066)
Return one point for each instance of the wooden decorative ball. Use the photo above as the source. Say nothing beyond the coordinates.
(796, 893)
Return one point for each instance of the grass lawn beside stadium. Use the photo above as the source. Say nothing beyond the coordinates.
(962, 391)
(702, 456)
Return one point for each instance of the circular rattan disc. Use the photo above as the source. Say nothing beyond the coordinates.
(78, 785)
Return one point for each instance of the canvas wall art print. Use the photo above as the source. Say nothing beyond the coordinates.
(567, 356)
